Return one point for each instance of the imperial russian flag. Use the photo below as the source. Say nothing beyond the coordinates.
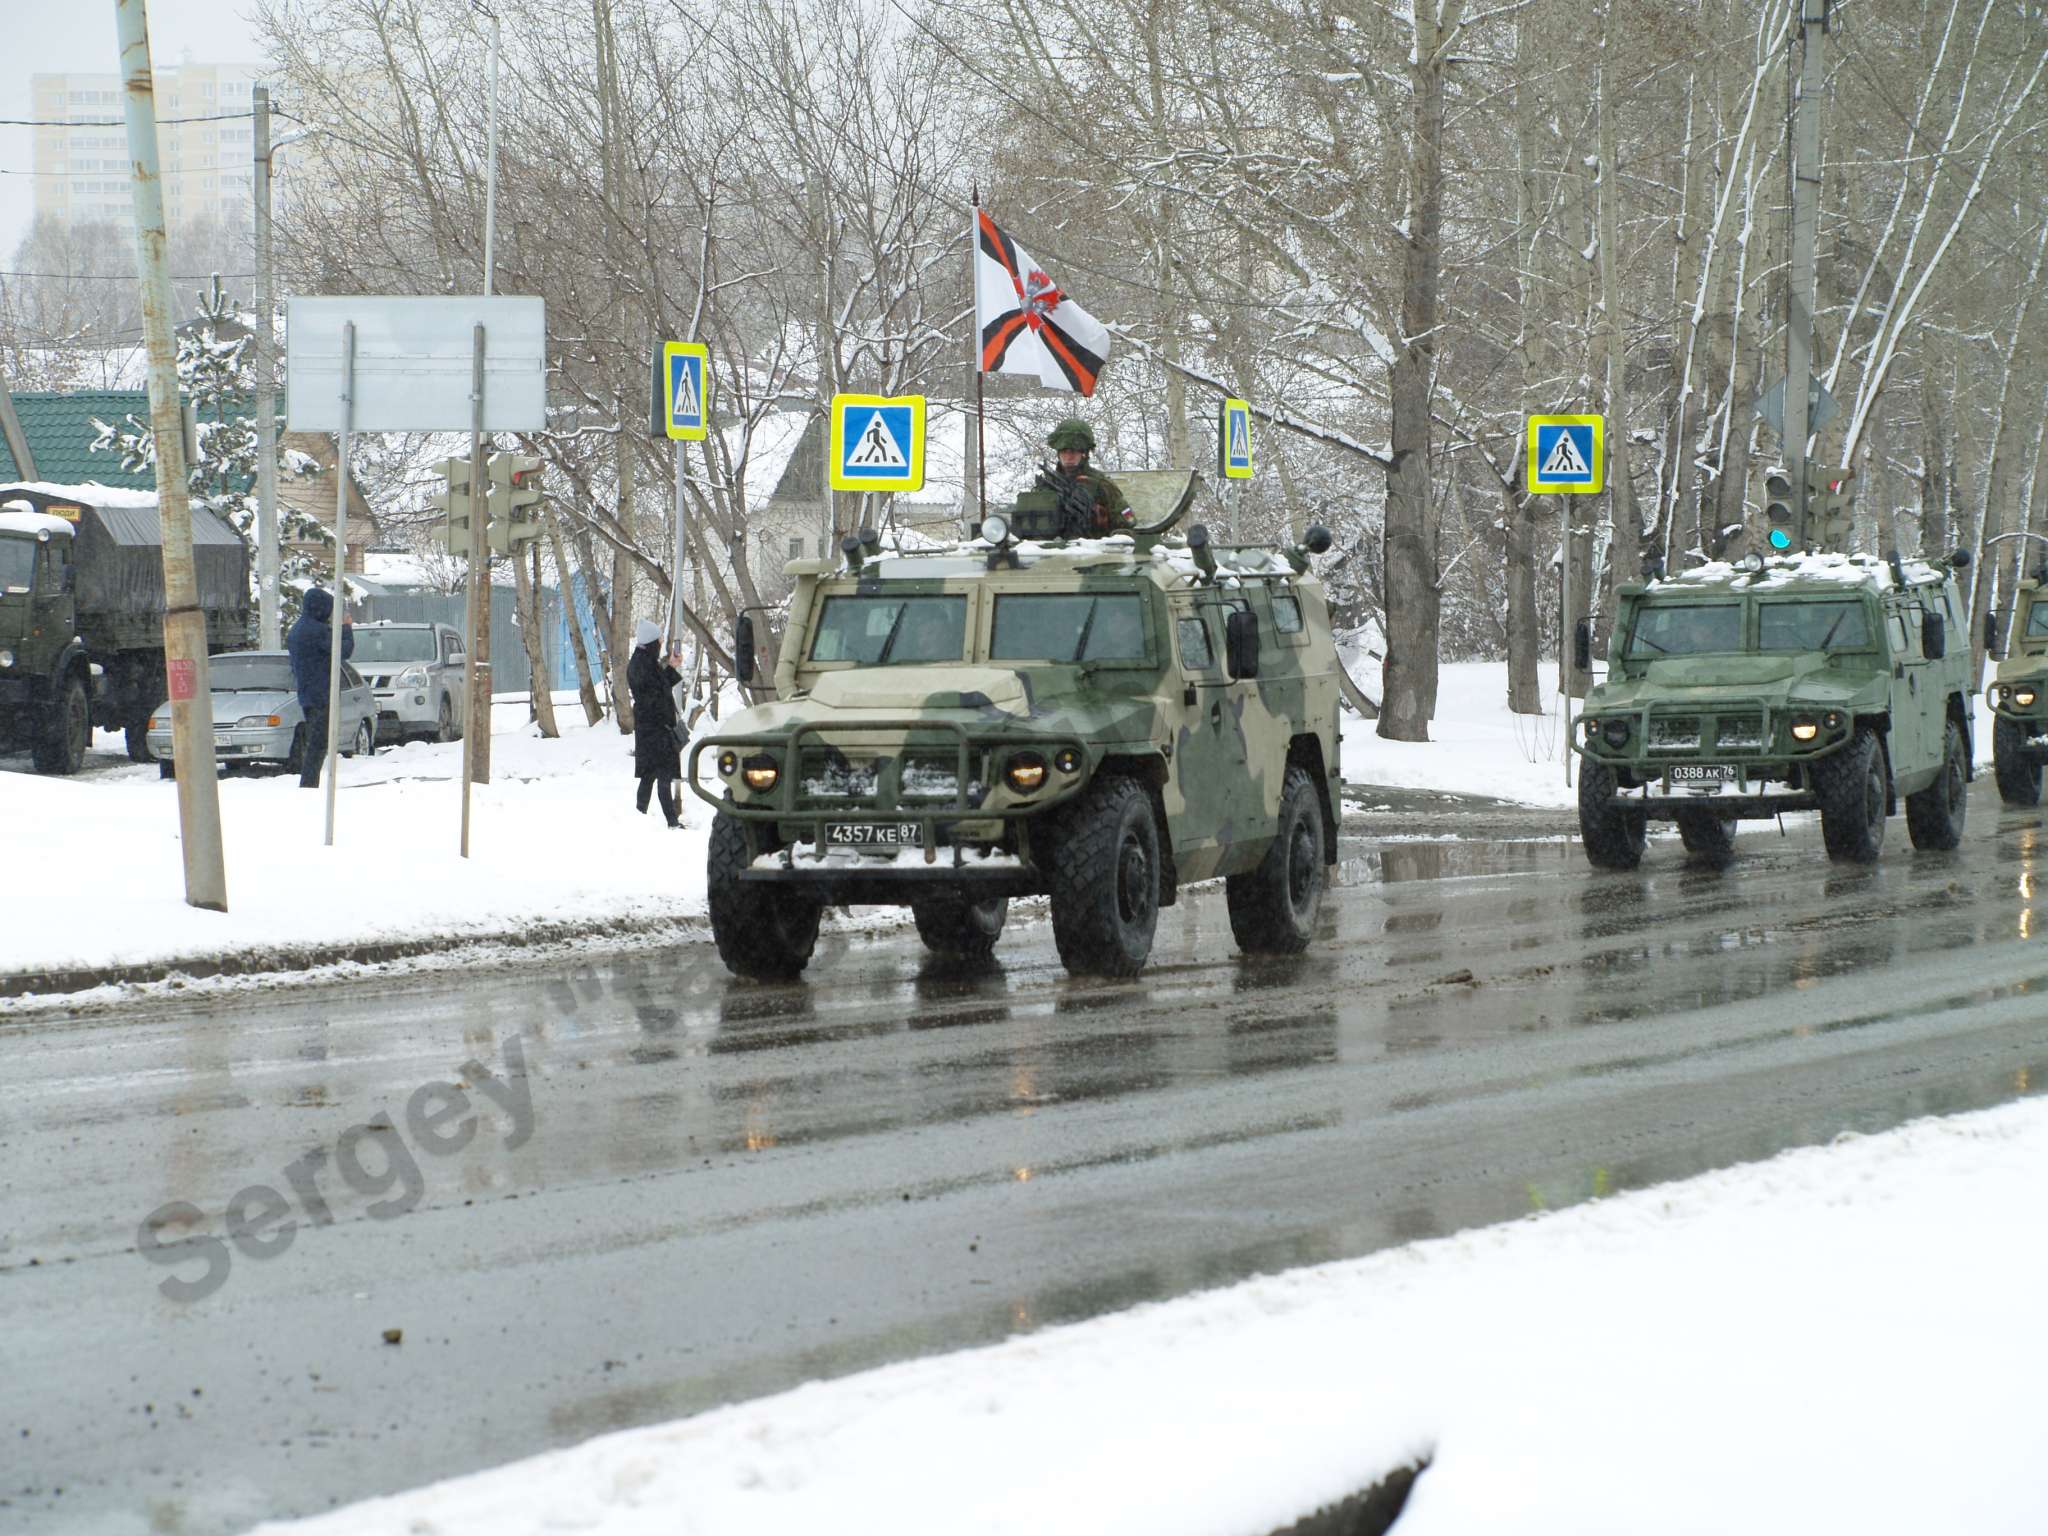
(1027, 325)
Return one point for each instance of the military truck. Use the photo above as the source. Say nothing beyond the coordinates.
(82, 614)
(2019, 697)
(1811, 682)
(1103, 721)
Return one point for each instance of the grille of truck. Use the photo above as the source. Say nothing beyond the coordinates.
(1741, 731)
(1674, 733)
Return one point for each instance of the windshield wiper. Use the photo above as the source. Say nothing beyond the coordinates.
(895, 624)
(1827, 638)
(1088, 623)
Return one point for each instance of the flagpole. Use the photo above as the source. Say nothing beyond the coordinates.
(974, 352)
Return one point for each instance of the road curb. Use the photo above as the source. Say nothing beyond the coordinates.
(53, 983)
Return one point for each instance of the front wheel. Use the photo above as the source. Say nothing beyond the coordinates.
(365, 744)
(1707, 837)
(957, 926)
(1105, 880)
(1934, 815)
(60, 747)
(444, 721)
(763, 932)
(1273, 909)
(1613, 838)
(138, 742)
(1852, 788)
(2019, 780)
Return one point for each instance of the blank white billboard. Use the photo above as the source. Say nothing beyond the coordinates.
(413, 363)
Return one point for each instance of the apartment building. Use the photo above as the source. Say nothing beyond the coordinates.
(82, 171)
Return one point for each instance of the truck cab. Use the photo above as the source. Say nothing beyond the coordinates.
(2019, 697)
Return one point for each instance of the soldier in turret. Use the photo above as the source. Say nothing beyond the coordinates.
(1090, 502)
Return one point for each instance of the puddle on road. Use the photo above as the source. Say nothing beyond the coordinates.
(1370, 861)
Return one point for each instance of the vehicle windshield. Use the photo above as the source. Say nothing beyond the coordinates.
(2037, 620)
(889, 631)
(247, 674)
(17, 565)
(1069, 626)
(1685, 629)
(1822, 626)
(393, 645)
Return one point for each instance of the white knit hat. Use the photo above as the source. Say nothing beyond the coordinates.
(646, 633)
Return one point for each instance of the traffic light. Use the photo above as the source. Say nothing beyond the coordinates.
(514, 501)
(1829, 510)
(456, 504)
(1781, 511)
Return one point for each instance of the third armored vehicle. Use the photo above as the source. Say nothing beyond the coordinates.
(2019, 699)
(1810, 682)
(1099, 720)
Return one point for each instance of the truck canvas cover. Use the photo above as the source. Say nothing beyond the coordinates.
(119, 550)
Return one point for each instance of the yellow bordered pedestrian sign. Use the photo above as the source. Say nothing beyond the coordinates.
(1234, 440)
(683, 391)
(1567, 454)
(878, 442)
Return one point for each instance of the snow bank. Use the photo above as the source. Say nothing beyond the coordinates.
(1830, 1341)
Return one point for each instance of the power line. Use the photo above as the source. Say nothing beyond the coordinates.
(108, 277)
(112, 122)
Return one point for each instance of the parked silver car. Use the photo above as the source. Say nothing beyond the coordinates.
(256, 714)
(418, 673)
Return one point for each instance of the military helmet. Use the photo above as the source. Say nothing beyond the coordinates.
(1072, 433)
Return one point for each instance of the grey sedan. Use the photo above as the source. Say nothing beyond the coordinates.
(256, 714)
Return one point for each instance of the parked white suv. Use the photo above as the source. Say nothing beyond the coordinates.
(417, 672)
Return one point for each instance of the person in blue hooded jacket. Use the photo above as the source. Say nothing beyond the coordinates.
(309, 642)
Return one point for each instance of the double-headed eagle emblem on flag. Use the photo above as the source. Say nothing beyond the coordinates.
(1027, 325)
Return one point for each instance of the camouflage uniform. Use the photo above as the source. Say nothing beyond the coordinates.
(1090, 502)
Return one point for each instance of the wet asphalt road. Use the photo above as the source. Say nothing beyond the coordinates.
(729, 1189)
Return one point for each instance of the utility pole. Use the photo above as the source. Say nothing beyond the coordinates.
(1813, 27)
(476, 733)
(268, 619)
(206, 881)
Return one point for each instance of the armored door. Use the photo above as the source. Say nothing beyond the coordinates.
(1209, 764)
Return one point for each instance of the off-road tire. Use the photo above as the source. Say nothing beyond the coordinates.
(2019, 781)
(1707, 837)
(1105, 871)
(1273, 909)
(957, 926)
(763, 932)
(1613, 839)
(1852, 790)
(1934, 815)
(60, 747)
(137, 737)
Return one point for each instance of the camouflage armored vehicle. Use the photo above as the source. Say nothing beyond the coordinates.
(1813, 682)
(1102, 721)
(2019, 698)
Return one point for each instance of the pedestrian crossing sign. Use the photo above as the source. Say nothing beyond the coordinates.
(1567, 454)
(877, 442)
(683, 389)
(1235, 440)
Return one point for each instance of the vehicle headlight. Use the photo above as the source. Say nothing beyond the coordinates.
(413, 677)
(728, 763)
(1804, 728)
(6, 658)
(2024, 697)
(1615, 733)
(761, 773)
(258, 722)
(1026, 771)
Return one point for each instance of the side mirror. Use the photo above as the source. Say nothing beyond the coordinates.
(1933, 636)
(1582, 645)
(1241, 643)
(1992, 625)
(743, 648)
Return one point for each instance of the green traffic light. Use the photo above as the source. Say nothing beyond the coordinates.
(1780, 539)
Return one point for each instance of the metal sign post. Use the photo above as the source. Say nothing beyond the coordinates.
(340, 612)
(1566, 455)
(476, 709)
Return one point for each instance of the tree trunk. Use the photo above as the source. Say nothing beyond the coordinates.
(1519, 510)
(1413, 601)
(543, 703)
(1624, 554)
(622, 598)
(586, 689)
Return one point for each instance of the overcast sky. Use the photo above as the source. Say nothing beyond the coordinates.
(79, 35)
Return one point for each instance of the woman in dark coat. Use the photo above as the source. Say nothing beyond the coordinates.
(657, 752)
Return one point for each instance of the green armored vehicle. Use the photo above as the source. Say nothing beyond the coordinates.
(1102, 721)
(2019, 699)
(1813, 682)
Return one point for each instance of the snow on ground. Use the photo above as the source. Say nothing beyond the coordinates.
(1477, 747)
(554, 837)
(1834, 1340)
